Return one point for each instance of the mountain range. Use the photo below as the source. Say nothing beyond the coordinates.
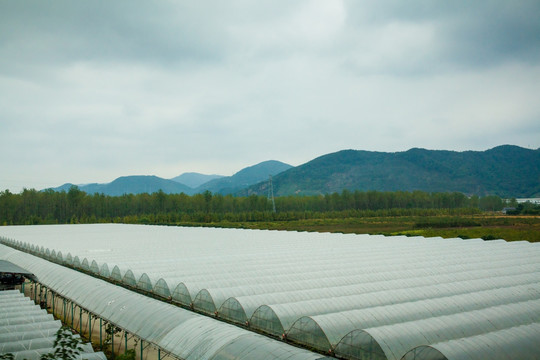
(506, 171)
(188, 183)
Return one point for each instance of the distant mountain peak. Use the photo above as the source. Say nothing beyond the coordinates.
(245, 177)
(194, 180)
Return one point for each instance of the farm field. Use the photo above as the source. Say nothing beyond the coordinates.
(488, 226)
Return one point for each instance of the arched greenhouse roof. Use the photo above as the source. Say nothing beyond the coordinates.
(334, 325)
(182, 333)
(397, 339)
(325, 291)
(520, 342)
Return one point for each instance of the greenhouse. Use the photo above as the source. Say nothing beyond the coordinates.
(349, 296)
(520, 342)
(27, 331)
(175, 331)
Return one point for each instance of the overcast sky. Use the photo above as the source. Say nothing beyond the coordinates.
(93, 90)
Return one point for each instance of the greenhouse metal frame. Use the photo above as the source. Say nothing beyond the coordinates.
(345, 295)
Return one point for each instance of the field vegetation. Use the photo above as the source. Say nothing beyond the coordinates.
(488, 226)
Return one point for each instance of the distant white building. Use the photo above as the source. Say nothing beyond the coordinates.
(531, 200)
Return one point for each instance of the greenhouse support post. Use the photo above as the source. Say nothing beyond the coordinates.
(89, 326)
(100, 335)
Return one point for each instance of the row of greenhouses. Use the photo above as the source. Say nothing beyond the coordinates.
(178, 332)
(354, 296)
(29, 332)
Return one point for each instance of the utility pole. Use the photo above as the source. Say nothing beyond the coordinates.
(271, 193)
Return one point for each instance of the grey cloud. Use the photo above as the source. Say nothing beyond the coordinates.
(494, 33)
(467, 34)
(134, 31)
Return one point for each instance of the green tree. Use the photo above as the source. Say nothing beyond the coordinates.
(490, 203)
(128, 355)
(74, 198)
(207, 195)
(66, 346)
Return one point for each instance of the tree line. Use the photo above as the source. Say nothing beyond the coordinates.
(75, 206)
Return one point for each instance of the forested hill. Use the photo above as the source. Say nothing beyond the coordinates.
(132, 185)
(244, 178)
(506, 171)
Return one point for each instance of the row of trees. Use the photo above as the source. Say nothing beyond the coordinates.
(526, 208)
(48, 207)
